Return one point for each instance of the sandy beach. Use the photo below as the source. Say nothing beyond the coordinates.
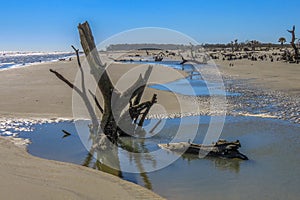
(274, 76)
(199, 100)
(33, 92)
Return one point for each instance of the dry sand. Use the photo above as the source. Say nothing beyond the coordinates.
(26, 177)
(34, 92)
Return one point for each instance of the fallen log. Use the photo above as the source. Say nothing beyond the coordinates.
(222, 149)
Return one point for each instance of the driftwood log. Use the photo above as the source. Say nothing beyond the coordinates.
(222, 149)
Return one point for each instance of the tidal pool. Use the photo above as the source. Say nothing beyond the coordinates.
(271, 145)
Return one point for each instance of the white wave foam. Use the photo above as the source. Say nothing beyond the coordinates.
(29, 53)
(16, 59)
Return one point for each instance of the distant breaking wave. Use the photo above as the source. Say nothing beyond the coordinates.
(13, 59)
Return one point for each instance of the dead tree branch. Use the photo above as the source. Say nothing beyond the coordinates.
(96, 101)
(293, 42)
(151, 103)
(81, 93)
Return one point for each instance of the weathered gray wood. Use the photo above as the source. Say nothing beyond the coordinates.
(96, 101)
(128, 101)
(108, 123)
(101, 76)
(222, 149)
(133, 95)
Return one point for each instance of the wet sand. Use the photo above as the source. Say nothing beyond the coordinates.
(276, 76)
(270, 89)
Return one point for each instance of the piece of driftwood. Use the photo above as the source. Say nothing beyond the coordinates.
(127, 105)
(222, 149)
(158, 58)
(131, 96)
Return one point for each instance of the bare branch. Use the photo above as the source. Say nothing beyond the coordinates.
(81, 70)
(153, 101)
(140, 82)
(82, 95)
(62, 78)
(293, 42)
(97, 102)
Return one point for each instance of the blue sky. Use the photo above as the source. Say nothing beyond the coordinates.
(42, 25)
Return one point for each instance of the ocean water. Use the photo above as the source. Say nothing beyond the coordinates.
(11, 59)
(270, 173)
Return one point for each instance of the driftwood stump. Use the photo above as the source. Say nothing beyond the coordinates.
(114, 121)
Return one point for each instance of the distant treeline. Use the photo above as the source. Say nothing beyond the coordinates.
(229, 45)
(118, 47)
(114, 47)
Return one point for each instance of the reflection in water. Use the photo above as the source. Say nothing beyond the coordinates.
(104, 155)
(232, 165)
(96, 164)
(138, 147)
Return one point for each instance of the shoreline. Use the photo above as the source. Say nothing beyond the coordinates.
(9, 56)
(25, 176)
(269, 88)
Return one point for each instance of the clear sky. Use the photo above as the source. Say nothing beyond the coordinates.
(47, 25)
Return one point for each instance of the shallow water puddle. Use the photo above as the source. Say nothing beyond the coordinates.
(271, 145)
(192, 87)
